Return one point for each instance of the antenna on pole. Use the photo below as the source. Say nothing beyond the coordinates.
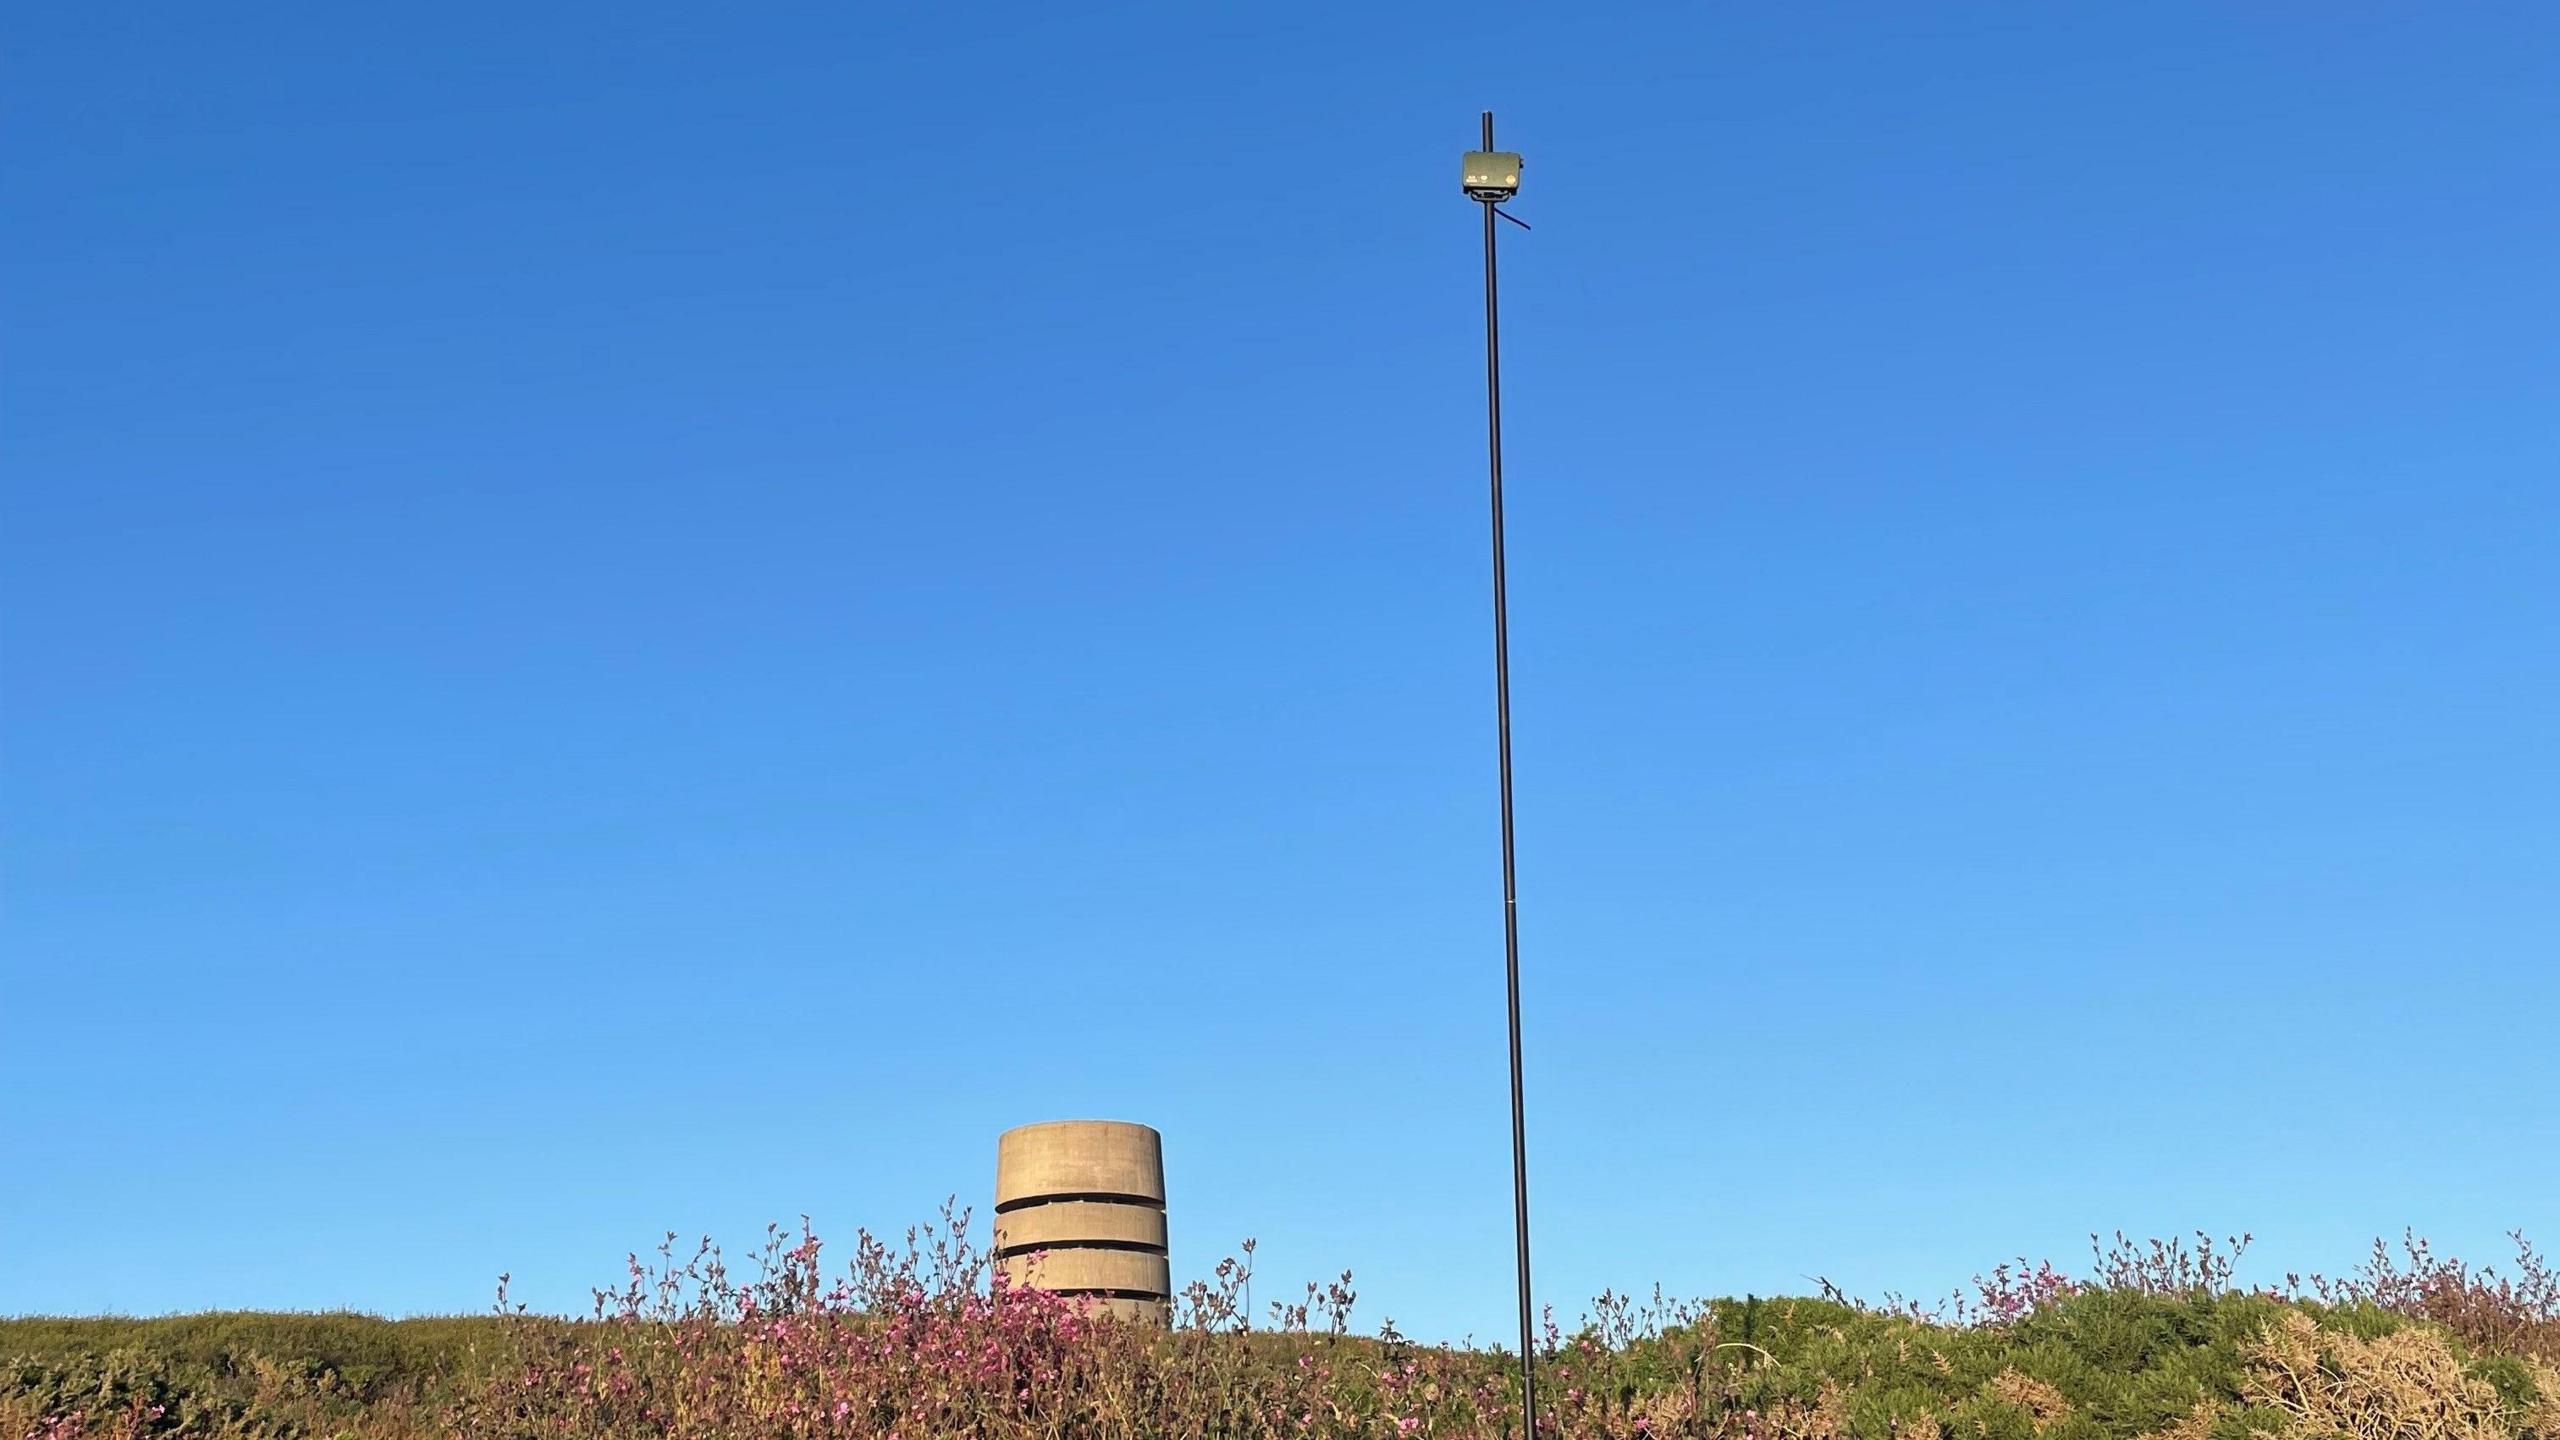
(1492, 177)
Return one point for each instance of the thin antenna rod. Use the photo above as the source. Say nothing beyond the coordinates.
(1510, 874)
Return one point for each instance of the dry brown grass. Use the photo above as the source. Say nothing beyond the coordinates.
(2196, 1424)
(2407, 1385)
(2541, 1419)
(2039, 1400)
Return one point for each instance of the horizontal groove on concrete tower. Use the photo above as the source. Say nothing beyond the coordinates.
(1033, 1202)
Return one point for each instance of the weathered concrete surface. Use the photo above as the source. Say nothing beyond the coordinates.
(1070, 1272)
(1080, 1211)
(1080, 1157)
(1044, 1227)
(1135, 1312)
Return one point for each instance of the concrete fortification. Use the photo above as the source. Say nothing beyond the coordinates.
(1080, 1210)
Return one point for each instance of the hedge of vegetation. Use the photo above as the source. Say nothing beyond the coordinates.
(923, 1342)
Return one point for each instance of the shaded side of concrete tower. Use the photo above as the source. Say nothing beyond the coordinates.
(1080, 1210)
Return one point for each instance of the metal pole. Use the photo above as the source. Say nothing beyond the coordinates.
(1510, 876)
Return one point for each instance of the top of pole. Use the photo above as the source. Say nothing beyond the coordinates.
(1492, 176)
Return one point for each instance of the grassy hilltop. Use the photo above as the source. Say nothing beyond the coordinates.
(919, 1342)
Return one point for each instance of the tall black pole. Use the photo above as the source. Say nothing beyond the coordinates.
(1510, 874)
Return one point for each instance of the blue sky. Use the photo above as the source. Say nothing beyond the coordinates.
(640, 617)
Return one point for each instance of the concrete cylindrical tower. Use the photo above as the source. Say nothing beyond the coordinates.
(1080, 1210)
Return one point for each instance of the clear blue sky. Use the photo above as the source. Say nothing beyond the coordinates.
(627, 617)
